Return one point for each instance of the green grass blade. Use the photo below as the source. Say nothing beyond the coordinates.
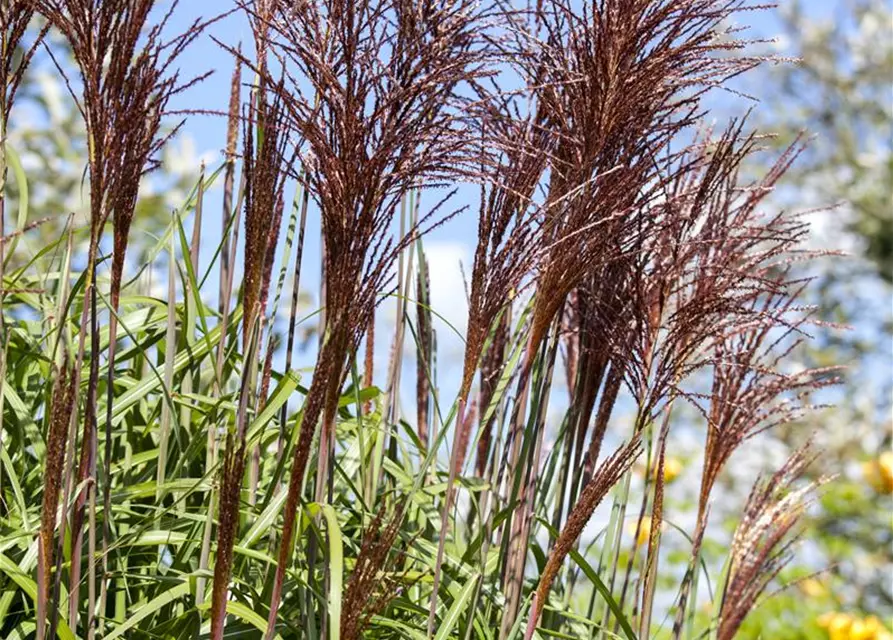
(29, 586)
(149, 608)
(451, 619)
(336, 571)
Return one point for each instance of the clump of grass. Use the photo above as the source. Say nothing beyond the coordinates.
(613, 110)
(361, 163)
(612, 226)
(267, 165)
(126, 82)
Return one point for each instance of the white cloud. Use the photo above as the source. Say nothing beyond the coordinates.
(446, 260)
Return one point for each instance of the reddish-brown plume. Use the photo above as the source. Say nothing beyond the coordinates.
(614, 85)
(267, 159)
(613, 110)
(698, 272)
(508, 232)
(127, 75)
(228, 520)
(267, 164)
(383, 115)
(596, 322)
(369, 360)
(491, 369)
(126, 82)
(15, 16)
(425, 355)
(373, 584)
(751, 392)
(61, 408)
(608, 474)
(761, 546)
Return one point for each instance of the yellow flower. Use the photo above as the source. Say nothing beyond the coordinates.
(672, 469)
(842, 626)
(861, 631)
(869, 628)
(813, 588)
(879, 473)
(644, 531)
(837, 624)
(885, 465)
(874, 623)
(876, 628)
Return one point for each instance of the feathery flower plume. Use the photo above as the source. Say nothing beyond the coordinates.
(61, 407)
(233, 468)
(127, 81)
(425, 355)
(751, 394)
(266, 167)
(761, 546)
(385, 117)
(709, 260)
(369, 360)
(372, 585)
(508, 235)
(508, 232)
(227, 257)
(613, 110)
(712, 255)
(615, 84)
(232, 138)
(15, 16)
(267, 164)
(594, 321)
(491, 368)
(608, 474)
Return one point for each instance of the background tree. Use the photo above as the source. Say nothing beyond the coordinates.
(839, 91)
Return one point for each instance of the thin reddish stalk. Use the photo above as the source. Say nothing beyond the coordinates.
(608, 474)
